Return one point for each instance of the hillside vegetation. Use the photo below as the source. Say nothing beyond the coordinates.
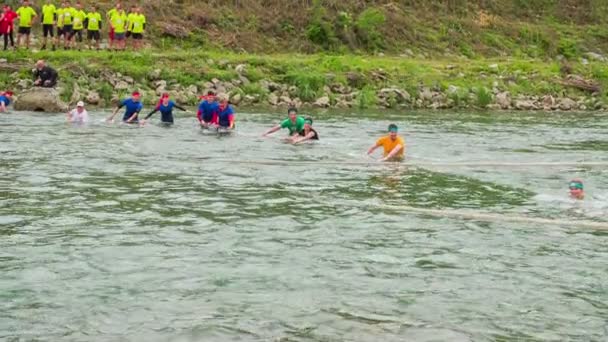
(538, 28)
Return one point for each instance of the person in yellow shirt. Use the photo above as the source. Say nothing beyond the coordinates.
(49, 18)
(138, 26)
(394, 146)
(119, 26)
(79, 18)
(60, 33)
(109, 15)
(26, 16)
(67, 21)
(132, 13)
(93, 24)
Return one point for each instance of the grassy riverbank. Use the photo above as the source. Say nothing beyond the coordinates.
(465, 82)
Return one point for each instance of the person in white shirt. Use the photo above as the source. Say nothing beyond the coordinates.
(79, 114)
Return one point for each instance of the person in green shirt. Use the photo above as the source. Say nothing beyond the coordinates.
(79, 18)
(68, 22)
(119, 25)
(26, 15)
(93, 24)
(49, 18)
(294, 123)
(138, 25)
(109, 16)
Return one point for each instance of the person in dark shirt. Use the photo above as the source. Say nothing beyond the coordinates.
(45, 76)
(165, 107)
(308, 134)
(132, 106)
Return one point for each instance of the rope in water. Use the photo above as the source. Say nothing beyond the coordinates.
(416, 164)
(452, 213)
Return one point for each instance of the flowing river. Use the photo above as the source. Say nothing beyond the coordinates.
(116, 233)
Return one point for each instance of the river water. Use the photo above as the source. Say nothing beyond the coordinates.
(115, 233)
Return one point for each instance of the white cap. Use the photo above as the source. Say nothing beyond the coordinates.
(80, 104)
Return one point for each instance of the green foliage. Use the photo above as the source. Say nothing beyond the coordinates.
(344, 20)
(483, 96)
(366, 98)
(309, 83)
(5, 80)
(105, 91)
(368, 24)
(320, 30)
(68, 89)
(568, 48)
(255, 89)
(466, 49)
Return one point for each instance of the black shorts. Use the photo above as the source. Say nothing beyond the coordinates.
(138, 36)
(25, 30)
(76, 33)
(67, 29)
(128, 34)
(48, 30)
(93, 35)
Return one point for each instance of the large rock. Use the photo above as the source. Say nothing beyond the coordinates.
(402, 95)
(273, 99)
(567, 104)
(93, 98)
(425, 94)
(121, 85)
(236, 99)
(596, 56)
(548, 102)
(41, 100)
(525, 105)
(323, 102)
(503, 100)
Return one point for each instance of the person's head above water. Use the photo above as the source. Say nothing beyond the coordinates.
(136, 96)
(292, 113)
(392, 130)
(576, 189)
(308, 123)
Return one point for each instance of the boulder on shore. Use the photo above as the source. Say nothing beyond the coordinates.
(40, 100)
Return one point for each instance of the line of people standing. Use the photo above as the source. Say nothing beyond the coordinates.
(66, 25)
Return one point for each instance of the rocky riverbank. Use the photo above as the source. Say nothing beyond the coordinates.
(492, 86)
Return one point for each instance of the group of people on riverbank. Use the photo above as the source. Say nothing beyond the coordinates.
(66, 24)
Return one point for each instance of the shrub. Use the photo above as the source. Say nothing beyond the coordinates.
(366, 98)
(320, 30)
(484, 97)
(367, 25)
(567, 48)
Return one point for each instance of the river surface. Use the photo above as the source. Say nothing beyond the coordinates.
(116, 233)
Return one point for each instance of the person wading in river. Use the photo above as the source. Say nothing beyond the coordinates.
(78, 115)
(294, 123)
(165, 107)
(5, 101)
(394, 146)
(132, 108)
(576, 189)
(308, 134)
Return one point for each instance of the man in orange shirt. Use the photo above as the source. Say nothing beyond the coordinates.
(394, 146)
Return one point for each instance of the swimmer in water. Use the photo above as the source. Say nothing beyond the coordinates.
(576, 189)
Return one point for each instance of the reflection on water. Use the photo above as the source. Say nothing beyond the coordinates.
(114, 232)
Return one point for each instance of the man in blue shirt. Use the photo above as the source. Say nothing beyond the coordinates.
(5, 101)
(208, 110)
(132, 107)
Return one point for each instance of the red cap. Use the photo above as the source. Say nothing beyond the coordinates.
(9, 93)
(135, 93)
(165, 96)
